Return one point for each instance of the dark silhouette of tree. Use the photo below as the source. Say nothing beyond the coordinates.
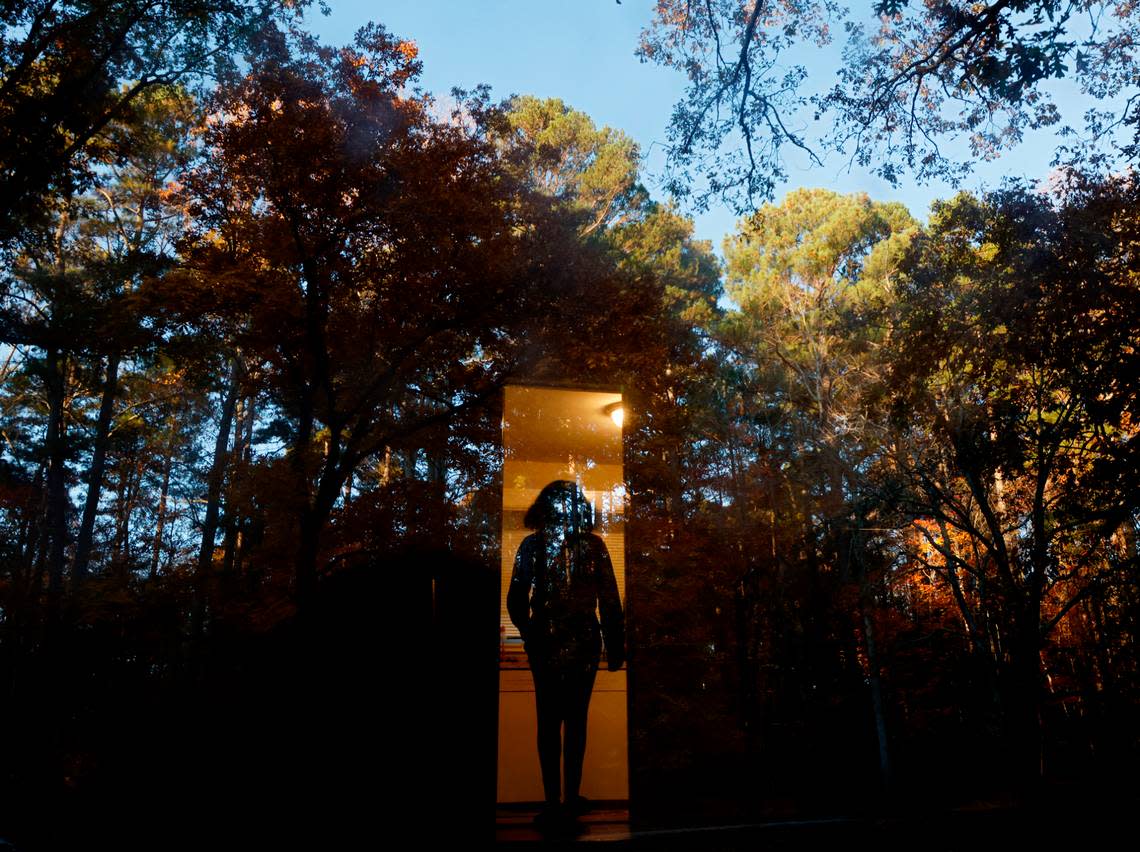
(129, 229)
(392, 259)
(807, 274)
(1013, 349)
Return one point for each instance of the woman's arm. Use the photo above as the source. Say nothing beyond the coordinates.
(609, 603)
(518, 594)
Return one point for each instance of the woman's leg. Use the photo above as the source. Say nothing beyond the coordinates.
(547, 701)
(578, 690)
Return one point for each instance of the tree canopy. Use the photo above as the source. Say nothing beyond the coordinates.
(69, 69)
(913, 77)
(594, 171)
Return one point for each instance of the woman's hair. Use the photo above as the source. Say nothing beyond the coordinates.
(542, 513)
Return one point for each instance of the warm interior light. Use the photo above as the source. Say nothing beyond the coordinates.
(616, 413)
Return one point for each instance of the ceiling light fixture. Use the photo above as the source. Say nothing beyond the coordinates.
(616, 413)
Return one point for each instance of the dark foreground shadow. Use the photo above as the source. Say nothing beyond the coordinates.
(378, 713)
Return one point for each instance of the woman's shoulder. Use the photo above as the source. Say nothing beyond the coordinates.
(594, 542)
(527, 547)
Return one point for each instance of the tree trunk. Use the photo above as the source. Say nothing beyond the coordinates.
(56, 481)
(307, 548)
(246, 455)
(384, 468)
(95, 475)
(877, 706)
(160, 522)
(437, 479)
(229, 547)
(133, 471)
(838, 523)
(314, 517)
(121, 512)
(1027, 685)
(213, 499)
(32, 526)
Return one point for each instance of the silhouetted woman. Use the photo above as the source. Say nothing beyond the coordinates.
(562, 576)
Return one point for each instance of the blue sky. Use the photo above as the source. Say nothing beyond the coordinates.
(583, 52)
